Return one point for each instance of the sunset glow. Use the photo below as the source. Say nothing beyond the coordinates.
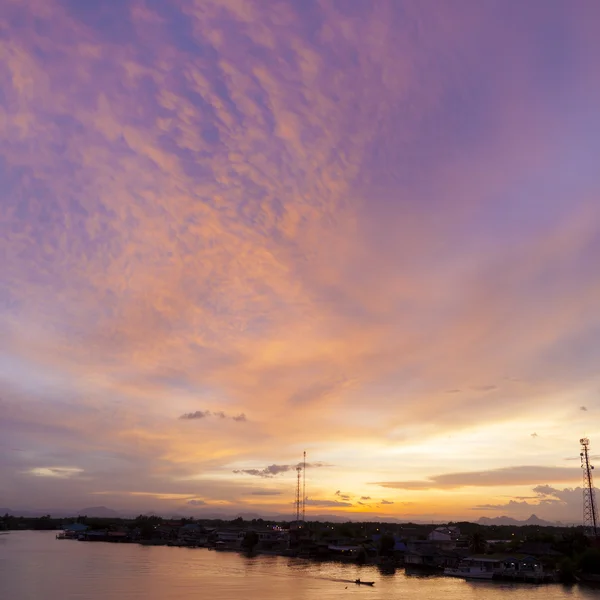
(233, 230)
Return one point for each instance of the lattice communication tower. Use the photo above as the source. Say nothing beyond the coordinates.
(298, 500)
(590, 514)
(304, 489)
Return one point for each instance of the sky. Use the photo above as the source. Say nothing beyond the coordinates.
(233, 231)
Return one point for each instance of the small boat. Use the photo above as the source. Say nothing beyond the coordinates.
(359, 582)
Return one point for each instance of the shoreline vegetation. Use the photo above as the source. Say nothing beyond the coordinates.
(544, 553)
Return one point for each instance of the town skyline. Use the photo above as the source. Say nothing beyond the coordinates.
(234, 231)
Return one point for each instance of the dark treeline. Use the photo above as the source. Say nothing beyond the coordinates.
(323, 530)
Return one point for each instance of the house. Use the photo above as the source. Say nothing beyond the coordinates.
(346, 553)
(399, 551)
(192, 534)
(428, 556)
(230, 535)
(227, 539)
(117, 536)
(444, 537)
(168, 530)
(72, 531)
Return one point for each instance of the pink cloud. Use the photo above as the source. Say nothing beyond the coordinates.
(299, 216)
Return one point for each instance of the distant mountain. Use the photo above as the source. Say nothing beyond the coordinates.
(204, 512)
(532, 520)
(94, 511)
(100, 512)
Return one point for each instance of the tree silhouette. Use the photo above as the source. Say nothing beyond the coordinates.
(250, 540)
(477, 543)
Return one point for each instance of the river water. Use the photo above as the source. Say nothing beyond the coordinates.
(36, 566)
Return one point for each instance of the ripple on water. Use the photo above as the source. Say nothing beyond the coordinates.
(35, 566)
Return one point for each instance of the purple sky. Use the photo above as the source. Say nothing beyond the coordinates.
(370, 230)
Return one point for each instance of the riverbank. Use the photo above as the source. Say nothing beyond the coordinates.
(36, 565)
(535, 554)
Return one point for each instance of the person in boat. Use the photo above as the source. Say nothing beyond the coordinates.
(357, 581)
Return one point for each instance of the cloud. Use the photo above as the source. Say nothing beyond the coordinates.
(549, 502)
(266, 493)
(270, 471)
(584, 408)
(199, 414)
(386, 502)
(188, 217)
(485, 388)
(545, 490)
(273, 470)
(345, 497)
(534, 435)
(59, 472)
(365, 497)
(509, 506)
(521, 475)
(203, 414)
(195, 502)
(316, 392)
(328, 503)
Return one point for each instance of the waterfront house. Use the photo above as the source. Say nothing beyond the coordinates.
(399, 551)
(477, 567)
(512, 568)
(272, 539)
(444, 537)
(526, 568)
(72, 531)
(192, 534)
(345, 553)
(228, 539)
(423, 555)
(118, 536)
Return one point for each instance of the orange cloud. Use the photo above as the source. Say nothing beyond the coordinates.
(320, 220)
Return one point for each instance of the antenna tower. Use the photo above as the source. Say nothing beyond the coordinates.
(298, 503)
(304, 489)
(590, 514)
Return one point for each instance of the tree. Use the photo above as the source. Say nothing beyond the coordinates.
(573, 542)
(589, 561)
(566, 570)
(250, 540)
(477, 543)
(346, 530)
(147, 525)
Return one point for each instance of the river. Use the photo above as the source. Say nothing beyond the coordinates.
(36, 566)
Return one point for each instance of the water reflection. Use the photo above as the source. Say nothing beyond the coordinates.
(386, 569)
(34, 566)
